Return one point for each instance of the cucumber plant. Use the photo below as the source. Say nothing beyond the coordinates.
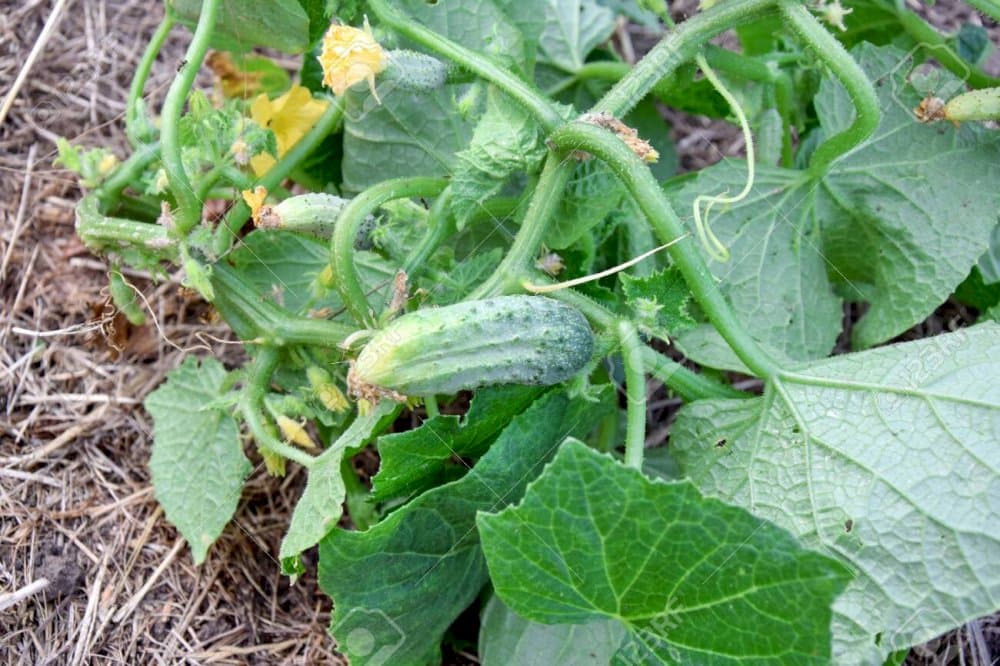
(460, 156)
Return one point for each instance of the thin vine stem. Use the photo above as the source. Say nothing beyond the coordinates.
(677, 47)
(345, 273)
(848, 72)
(546, 112)
(637, 178)
(252, 408)
(438, 226)
(544, 203)
(136, 121)
(189, 208)
(635, 394)
(110, 190)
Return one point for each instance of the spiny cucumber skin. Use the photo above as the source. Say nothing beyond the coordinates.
(975, 105)
(314, 213)
(415, 72)
(506, 340)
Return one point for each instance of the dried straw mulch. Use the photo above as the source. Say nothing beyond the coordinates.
(89, 570)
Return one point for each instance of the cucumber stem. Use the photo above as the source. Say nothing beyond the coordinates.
(137, 124)
(546, 112)
(188, 214)
(635, 394)
(675, 48)
(850, 75)
(641, 184)
(252, 408)
(687, 384)
(346, 277)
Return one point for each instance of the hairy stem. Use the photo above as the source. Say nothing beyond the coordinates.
(345, 273)
(252, 409)
(275, 326)
(477, 63)
(544, 203)
(110, 190)
(635, 393)
(661, 216)
(189, 207)
(137, 124)
(438, 226)
(677, 47)
(682, 381)
(848, 72)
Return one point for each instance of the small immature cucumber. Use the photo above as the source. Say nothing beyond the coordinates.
(975, 105)
(314, 213)
(504, 340)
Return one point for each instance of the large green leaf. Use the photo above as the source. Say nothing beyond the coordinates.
(198, 465)
(407, 134)
(888, 459)
(244, 24)
(692, 579)
(420, 458)
(898, 222)
(507, 639)
(399, 585)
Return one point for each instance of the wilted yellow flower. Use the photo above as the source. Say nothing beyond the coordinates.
(350, 55)
(294, 432)
(255, 199)
(107, 164)
(289, 116)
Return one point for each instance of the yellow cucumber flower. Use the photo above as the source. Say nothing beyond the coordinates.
(289, 116)
(350, 55)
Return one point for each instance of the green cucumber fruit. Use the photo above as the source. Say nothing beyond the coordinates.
(975, 105)
(505, 340)
(314, 213)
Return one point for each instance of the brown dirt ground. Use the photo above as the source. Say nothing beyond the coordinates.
(76, 508)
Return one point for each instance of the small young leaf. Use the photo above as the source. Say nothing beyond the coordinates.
(321, 504)
(660, 301)
(595, 540)
(886, 459)
(198, 465)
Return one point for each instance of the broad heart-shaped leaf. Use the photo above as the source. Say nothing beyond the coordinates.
(897, 222)
(692, 579)
(198, 465)
(888, 459)
(321, 505)
(418, 459)
(407, 134)
(507, 638)
(399, 585)
(245, 24)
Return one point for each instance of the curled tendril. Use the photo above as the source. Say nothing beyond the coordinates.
(715, 247)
